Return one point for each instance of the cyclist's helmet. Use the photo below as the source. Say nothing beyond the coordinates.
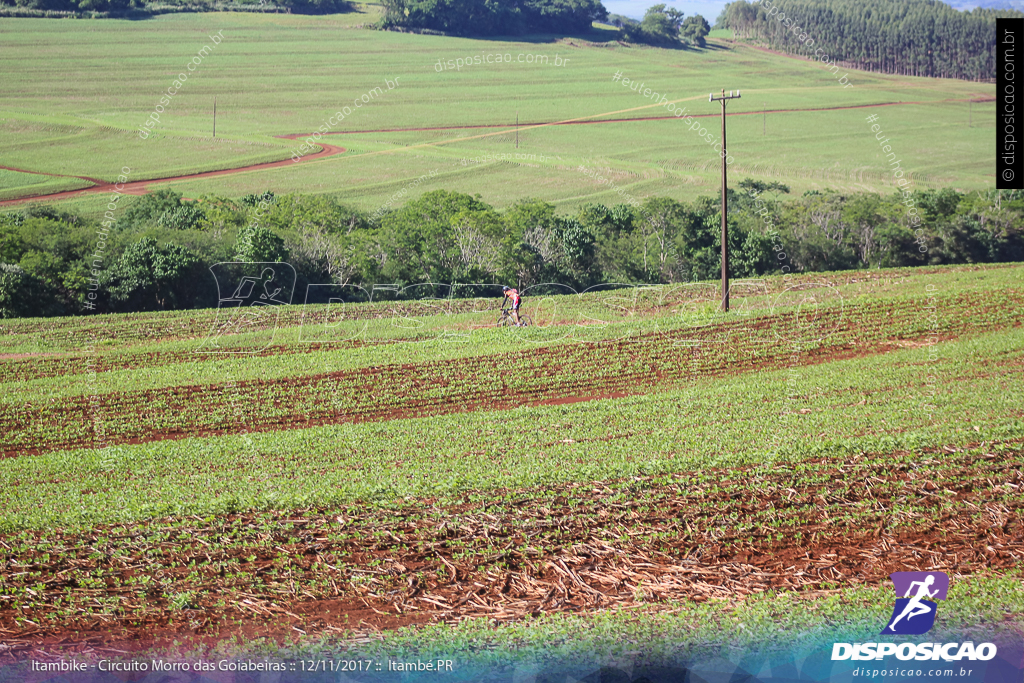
(505, 288)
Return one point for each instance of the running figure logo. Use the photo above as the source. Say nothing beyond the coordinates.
(914, 613)
(250, 297)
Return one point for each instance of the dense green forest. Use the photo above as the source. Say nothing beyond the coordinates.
(129, 8)
(157, 253)
(906, 37)
(494, 17)
(663, 26)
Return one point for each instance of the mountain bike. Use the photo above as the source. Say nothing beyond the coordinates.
(505, 319)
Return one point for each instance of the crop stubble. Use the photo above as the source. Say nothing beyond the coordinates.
(720, 534)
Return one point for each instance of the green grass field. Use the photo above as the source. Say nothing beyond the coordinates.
(571, 481)
(92, 83)
(407, 478)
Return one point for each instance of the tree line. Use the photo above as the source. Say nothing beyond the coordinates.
(663, 26)
(157, 254)
(906, 37)
(493, 17)
(122, 8)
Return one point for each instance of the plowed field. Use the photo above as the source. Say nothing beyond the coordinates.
(811, 526)
(667, 464)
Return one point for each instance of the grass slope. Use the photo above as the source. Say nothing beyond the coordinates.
(284, 74)
(777, 496)
(874, 404)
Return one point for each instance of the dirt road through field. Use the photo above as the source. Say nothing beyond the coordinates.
(142, 187)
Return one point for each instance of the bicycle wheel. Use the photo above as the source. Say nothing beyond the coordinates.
(525, 320)
(504, 320)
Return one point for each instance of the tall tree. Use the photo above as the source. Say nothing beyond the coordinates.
(694, 30)
(151, 276)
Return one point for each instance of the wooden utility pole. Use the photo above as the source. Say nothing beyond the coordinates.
(214, 116)
(725, 184)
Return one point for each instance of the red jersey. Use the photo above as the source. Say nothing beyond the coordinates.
(513, 295)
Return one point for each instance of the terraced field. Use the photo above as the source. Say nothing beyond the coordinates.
(271, 87)
(523, 376)
(660, 459)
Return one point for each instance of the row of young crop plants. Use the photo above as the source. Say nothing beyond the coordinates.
(904, 399)
(275, 331)
(429, 306)
(103, 364)
(486, 382)
(104, 367)
(179, 564)
(456, 335)
(121, 331)
(438, 340)
(175, 363)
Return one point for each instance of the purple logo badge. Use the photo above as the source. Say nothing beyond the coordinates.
(914, 613)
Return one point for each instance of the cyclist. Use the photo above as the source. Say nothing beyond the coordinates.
(512, 295)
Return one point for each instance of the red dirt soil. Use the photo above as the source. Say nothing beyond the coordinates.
(576, 372)
(577, 547)
(141, 187)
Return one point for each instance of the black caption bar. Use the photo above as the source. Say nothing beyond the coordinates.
(1009, 150)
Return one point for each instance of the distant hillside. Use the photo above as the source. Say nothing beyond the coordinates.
(134, 8)
(489, 18)
(905, 37)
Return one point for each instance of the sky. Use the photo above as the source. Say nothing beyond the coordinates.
(709, 9)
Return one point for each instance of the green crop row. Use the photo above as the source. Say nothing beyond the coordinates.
(113, 364)
(399, 388)
(147, 332)
(712, 516)
(906, 399)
